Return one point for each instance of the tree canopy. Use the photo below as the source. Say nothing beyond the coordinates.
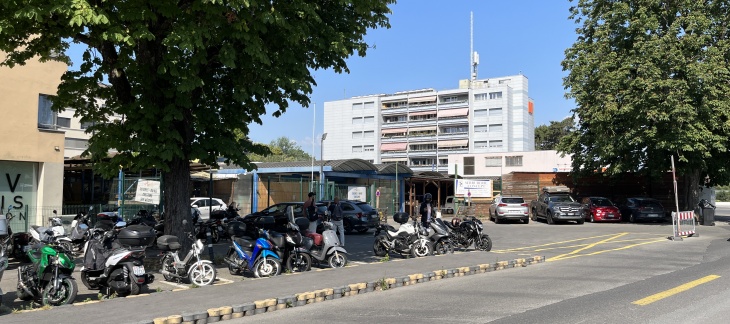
(650, 80)
(547, 137)
(185, 75)
(282, 150)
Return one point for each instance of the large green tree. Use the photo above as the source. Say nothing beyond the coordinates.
(650, 79)
(547, 137)
(282, 149)
(185, 75)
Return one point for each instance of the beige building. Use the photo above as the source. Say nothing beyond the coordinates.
(31, 146)
(494, 165)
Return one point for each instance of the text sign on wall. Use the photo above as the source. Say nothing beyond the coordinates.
(356, 193)
(477, 188)
(148, 191)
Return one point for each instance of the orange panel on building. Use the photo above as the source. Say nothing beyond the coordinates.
(531, 107)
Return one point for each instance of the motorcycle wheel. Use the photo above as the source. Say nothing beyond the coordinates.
(443, 247)
(167, 261)
(233, 270)
(421, 249)
(337, 260)
(485, 244)
(299, 262)
(267, 267)
(202, 274)
(85, 280)
(378, 248)
(65, 294)
(214, 236)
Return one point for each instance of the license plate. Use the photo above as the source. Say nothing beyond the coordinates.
(610, 215)
(514, 211)
(138, 270)
(570, 214)
(653, 215)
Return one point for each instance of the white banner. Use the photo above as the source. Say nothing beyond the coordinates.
(474, 188)
(148, 191)
(356, 193)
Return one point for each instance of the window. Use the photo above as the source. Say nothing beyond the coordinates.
(481, 113)
(46, 116)
(356, 149)
(480, 97)
(369, 105)
(394, 119)
(468, 165)
(443, 161)
(368, 134)
(77, 143)
(356, 120)
(495, 112)
(454, 130)
(369, 119)
(481, 144)
(356, 135)
(493, 161)
(513, 161)
(86, 125)
(495, 95)
(449, 99)
(369, 148)
(503, 81)
(423, 147)
(63, 122)
(481, 129)
(495, 143)
(357, 106)
(495, 128)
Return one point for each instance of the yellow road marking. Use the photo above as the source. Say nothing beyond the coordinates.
(604, 251)
(558, 257)
(674, 291)
(552, 244)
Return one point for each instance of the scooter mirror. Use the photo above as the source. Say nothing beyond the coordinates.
(55, 212)
(185, 222)
(91, 208)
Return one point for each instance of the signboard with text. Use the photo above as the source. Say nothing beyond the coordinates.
(356, 193)
(474, 188)
(148, 191)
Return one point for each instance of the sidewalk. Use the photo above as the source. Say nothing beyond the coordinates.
(145, 308)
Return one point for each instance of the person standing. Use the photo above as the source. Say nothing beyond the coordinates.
(336, 218)
(310, 211)
(426, 210)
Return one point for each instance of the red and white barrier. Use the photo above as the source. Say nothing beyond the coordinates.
(683, 224)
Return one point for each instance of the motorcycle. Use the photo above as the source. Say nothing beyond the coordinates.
(80, 231)
(48, 279)
(407, 239)
(114, 259)
(441, 237)
(468, 232)
(259, 258)
(192, 268)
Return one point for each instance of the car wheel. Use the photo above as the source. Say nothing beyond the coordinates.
(533, 215)
(348, 227)
(526, 221)
(550, 220)
(497, 220)
(593, 219)
(580, 222)
(632, 219)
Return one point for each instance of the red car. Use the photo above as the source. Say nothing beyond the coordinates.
(600, 209)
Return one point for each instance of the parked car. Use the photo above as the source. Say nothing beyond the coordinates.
(278, 211)
(636, 209)
(600, 209)
(203, 204)
(357, 215)
(555, 204)
(503, 208)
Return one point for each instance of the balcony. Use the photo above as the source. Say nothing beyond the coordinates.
(454, 120)
(450, 136)
(400, 110)
(393, 154)
(422, 122)
(454, 104)
(392, 139)
(393, 124)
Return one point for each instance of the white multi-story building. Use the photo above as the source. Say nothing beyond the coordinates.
(421, 128)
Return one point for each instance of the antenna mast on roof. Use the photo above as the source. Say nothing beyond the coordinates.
(473, 56)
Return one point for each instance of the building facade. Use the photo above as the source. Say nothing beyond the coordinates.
(421, 128)
(31, 150)
(493, 165)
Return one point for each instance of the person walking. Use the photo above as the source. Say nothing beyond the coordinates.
(336, 218)
(310, 210)
(426, 210)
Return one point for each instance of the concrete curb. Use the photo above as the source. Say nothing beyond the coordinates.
(223, 313)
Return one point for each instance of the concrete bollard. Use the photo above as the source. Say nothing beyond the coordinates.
(174, 319)
(249, 309)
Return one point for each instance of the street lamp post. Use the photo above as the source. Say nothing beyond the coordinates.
(321, 165)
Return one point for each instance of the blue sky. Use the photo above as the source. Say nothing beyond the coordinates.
(427, 46)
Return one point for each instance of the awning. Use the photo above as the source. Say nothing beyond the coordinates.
(422, 99)
(453, 112)
(453, 143)
(424, 113)
(392, 112)
(421, 129)
(393, 146)
(394, 130)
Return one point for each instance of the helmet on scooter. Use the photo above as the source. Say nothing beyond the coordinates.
(427, 198)
(55, 221)
(455, 222)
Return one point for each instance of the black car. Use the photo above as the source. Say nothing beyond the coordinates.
(357, 215)
(278, 211)
(637, 209)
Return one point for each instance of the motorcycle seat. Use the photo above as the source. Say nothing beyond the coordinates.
(243, 242)
(389, 228)
(317, 238)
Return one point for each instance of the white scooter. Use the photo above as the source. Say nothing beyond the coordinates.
(407, 239)
(326, 246)
(39, 233)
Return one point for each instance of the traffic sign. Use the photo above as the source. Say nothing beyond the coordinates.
(377, 193)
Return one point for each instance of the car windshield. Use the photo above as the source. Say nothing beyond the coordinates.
(365, 207)
(561, 198)
(602, 202)
(275, 208)
(648, 203)
(513, 200)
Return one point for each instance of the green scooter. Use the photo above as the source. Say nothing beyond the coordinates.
(48, 279)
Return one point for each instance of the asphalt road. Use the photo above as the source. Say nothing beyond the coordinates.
(593, 274)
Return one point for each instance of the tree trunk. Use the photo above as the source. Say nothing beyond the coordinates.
(689, 194)
(177, 203)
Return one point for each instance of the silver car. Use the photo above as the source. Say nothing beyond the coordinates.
(503, 208)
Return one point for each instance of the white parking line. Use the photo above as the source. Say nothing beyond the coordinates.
(175, 285)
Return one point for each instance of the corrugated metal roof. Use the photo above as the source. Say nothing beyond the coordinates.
(347, 165)
(389, 168)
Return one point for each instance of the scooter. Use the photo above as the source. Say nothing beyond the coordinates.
(440, 236)
(408, 238)
(326, 247)
(259, 258)
(80, 231)
(40, 233)
(192, 268)
(48, 280)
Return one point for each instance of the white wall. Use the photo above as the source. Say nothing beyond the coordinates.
(532, 161)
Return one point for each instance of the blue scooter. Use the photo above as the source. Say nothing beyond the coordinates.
(257, 257)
